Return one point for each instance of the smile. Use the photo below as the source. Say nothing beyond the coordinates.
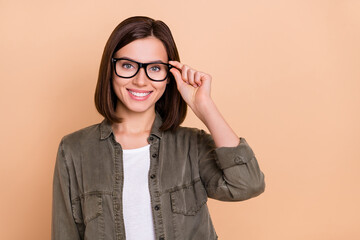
(139, 95)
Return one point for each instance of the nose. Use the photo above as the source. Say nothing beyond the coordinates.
(140, 78)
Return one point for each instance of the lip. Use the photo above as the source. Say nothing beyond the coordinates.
(139, 91)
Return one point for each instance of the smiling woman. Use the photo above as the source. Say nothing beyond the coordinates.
(139, 167)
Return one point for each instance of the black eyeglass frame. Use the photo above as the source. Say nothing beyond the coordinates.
(141, 65)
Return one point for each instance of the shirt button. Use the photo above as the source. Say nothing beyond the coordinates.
(152, 176)
(239, 160)
(151, 138)
(154, 155)
(157, 207)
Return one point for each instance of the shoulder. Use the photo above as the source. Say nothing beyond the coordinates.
(188, 131)
(81, 137)
(192, 133)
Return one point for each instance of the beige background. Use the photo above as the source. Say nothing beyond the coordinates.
(286, 77)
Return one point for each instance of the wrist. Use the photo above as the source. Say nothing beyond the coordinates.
(205, 110)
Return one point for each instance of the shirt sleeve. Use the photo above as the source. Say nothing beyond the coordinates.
(63, 225)
(229, 173)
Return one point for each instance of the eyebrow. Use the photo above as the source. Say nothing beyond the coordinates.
(155, 61)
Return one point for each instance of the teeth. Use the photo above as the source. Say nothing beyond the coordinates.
(139, 94)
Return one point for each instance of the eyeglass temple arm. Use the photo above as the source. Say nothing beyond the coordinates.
(171, 66)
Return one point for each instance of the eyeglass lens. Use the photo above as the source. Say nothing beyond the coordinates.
(155, 71)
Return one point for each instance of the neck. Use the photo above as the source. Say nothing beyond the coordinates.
(134, 122)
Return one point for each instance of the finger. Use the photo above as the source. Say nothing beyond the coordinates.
(176, 64)
(184, 73)
(177, 75)
(197, 78)
(205, 80)
(190, 74)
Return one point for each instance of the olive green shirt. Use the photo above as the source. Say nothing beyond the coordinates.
(185, 169)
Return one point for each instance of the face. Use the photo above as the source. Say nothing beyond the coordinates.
(139, 93)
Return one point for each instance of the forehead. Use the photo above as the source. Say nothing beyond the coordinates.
(144, 50)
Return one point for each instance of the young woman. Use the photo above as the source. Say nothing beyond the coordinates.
(138, 174)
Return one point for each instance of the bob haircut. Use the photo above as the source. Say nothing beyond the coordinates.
(171, 106)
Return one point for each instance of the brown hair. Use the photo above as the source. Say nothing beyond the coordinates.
(171, 106)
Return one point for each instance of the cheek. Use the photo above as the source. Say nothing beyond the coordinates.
(160, 89)
(117, 83)
(163, 88)
(118, 89)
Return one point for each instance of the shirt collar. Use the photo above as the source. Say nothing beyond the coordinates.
(106, 129)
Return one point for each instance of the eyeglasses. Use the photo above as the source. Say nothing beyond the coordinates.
(155, 71)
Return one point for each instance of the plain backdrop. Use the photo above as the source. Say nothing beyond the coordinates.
(286, 76)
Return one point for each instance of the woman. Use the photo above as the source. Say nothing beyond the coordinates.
(138, 174)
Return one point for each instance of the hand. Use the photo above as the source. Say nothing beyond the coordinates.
(194, 86)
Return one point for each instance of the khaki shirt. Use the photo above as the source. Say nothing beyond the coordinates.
(185, 169)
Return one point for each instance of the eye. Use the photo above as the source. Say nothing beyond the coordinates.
(155, 68)
(127, 65)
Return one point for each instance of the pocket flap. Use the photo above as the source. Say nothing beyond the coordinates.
(87, 208)
(189, 199)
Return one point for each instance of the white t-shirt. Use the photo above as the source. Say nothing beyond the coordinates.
(137, 210)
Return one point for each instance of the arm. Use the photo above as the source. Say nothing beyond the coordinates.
(229, 173)
(63, 225)
(221, 132)
(228, 167)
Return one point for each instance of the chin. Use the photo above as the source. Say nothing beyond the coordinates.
(139, 109)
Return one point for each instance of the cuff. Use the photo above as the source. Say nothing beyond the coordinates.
(231, 156)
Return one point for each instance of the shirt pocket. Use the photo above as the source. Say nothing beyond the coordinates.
(87, 208)
(189, 199)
